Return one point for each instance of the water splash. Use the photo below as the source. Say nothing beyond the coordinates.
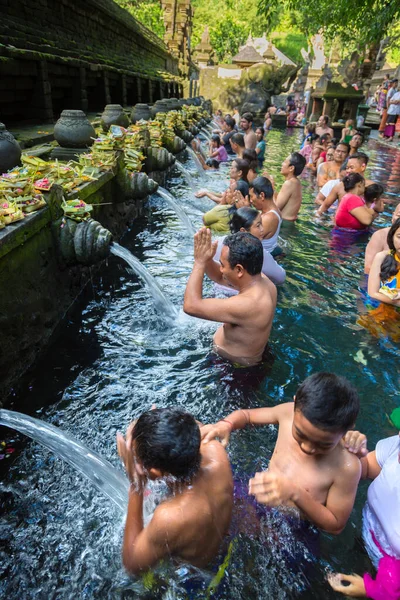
(106, 478)
(186, 174)
(177, 209)
(192, 153)
(161, 302)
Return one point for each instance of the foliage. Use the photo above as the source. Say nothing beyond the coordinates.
(148, 12)
(290, 44)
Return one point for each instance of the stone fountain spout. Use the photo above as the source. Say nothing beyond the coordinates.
(86, 243)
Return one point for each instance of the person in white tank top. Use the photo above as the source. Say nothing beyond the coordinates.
(262, 198)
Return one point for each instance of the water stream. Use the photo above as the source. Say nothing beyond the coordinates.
(195, 158)
(112, 360)
(177, 209)
(187, 175)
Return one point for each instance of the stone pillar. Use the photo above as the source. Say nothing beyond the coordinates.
(150, 83)
(316, 109)
(327, 108)
(191, 88)
(42, 103)
(124, 90)
(139, 89)
(107, 94)
(83, 91)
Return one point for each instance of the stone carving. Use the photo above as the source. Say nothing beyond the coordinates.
(85, 243)
(74, 130)
(203, 53)
(319, 59)
(10, 151)
(348, 69)
(114, 115)
(140, 112)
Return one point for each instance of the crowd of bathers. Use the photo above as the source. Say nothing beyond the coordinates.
(319, 458)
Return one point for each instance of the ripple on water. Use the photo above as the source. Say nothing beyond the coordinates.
(117, 358)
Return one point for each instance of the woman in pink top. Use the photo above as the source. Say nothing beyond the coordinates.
(354, 212)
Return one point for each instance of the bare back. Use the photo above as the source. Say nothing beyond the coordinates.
(199, 518)
(289, 199)
(245, 339)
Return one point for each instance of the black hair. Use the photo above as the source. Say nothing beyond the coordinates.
(326, 119)
(253, 165)
(230, 122)
(245, 250)
(334, 141)
(328, 401)
(242, 187)
(249, 154)
(212, 162)
(243, 166)
(261, 129)
(390, 266)
(248, 116)
(361, 156)
(238, 139)
(262, 184)
(351, 180)
(168, 439)
(325, 137)
(373, 192)
(215, 138)
(242, 217)
(312, 137)
(298, 162)
(343, 144)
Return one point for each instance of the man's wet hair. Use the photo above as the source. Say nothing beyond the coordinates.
(242, 187)
(343, 144)
(249, 154)
(248, 116)
(373, 192)
(262, 184)
(325, 118)
(361, 156)
(297, 161)
(351, 180)
(359, 133)
(168, 439)
(245, 250)
(328, 401)
(238, 139)
(230, 121)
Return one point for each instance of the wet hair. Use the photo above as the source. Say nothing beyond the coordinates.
(351, 180)
(298, 162)
(212, 162)
(334, 141)
(328, 401)
(248, 116)
(253, 165)
(238, 139)
(313, 137)
(359, 133)
(343, 144)
(230, 122)
(325, 137)
(242, 187)
(361, 156)
(243, 166)
(325, 118)
(373, 192)
(390, 266)
(168, 439)
(245, 250)
(242, 217)
(249, 154)
(260, 129)
(215, 138)
(262, 184)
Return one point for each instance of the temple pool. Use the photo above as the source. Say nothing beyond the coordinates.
(115, 356)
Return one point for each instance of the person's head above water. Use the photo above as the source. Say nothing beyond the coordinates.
(341, 152)
(167, 442)
(216, 141)
(293, 165)
(260, 190)
(373, 192)
(357, 140)
(357, 163)
(229, 124)
(390, 266)
(396, 213)
(237, 143)
(249, 154)
(247, 219)
(239, 169)
(325, 407)
(355, 183)
(246, 121)
(241, 258)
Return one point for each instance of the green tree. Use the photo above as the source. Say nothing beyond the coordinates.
(147, 12)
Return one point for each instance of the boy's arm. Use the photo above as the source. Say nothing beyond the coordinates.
(239, 419)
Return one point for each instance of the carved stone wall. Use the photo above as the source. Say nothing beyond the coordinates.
(178, 16)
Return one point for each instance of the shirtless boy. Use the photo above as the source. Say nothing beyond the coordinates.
(378, 242)
(247, 317)
(311, 468)
(262, 198)
(330, 170)
(191, 523)
(246, 125)
(355, 164)
(289, 198)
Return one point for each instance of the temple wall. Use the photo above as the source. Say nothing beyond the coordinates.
(57, 54)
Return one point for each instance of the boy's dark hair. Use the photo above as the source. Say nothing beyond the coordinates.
(238, 139)
(243, 166)
(262, 184)
(230, 121)
(330, 402)
(351, 180)
(168, 439)
(390, 266)
(248, 116)
(298, 162)
(215, 138)
(361, 156)
(373, 192)
(245, 250)
(250, 155)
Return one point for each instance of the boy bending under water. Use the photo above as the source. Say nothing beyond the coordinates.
(192, 522)
(310, 469)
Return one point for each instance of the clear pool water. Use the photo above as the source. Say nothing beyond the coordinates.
(114, 357)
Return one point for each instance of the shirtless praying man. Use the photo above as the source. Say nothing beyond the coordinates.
(247, 317)
(289, 198)
(192, 521)
(311, 468)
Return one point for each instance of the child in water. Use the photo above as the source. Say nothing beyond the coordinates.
(381, 518)
(310, 469)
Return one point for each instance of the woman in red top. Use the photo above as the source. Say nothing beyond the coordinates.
(354, 212)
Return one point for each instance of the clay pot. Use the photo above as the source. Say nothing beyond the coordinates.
(140, 112)
(74, 130)
(114, 115)
(10, 152)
